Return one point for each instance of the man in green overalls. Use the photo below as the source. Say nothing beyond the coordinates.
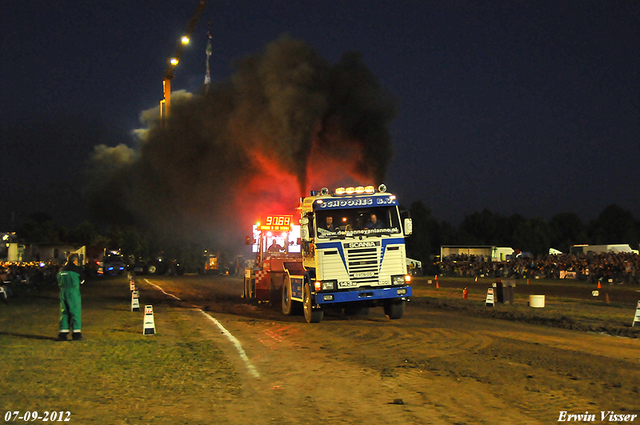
(69, 280)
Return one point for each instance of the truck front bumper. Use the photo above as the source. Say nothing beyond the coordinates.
(370, 294)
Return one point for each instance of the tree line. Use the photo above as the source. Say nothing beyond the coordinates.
(614, 225)
(134, 242)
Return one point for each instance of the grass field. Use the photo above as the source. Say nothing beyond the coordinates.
(116, 374)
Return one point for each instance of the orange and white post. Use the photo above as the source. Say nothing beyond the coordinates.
(149, 327)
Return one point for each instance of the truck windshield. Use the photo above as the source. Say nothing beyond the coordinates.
(357, 222)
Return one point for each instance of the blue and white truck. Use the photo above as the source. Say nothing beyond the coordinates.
(353, 254)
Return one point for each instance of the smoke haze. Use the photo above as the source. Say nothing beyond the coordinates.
(285, 123)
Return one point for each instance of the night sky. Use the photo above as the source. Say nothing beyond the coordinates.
(528, 107)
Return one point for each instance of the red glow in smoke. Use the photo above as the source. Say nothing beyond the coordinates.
(273, 189)
(269, 190)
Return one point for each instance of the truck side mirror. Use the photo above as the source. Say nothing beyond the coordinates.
(408, 226)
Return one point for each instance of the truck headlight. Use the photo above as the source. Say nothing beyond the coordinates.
(398, 280)
(328, 285)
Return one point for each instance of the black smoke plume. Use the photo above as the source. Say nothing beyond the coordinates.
(285, 121)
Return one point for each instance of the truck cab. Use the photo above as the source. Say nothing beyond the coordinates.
(111, 263)
(353, 251)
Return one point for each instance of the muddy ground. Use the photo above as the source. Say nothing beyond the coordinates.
(433, 366)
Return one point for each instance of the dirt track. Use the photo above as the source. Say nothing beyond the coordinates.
(431, 367)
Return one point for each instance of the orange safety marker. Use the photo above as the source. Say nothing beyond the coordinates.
(465, 293)
(527, 281)
(599, 286)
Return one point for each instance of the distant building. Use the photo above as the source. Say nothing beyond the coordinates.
(488, 252)
(15, 251)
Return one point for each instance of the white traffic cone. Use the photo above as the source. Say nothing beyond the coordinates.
(135, 302)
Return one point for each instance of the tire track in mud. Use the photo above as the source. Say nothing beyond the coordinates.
(374, 339)
(446, 368)
(526, 376)
(545, 373)
(300, 378)
(376, 370)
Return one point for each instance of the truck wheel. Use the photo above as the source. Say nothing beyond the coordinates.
(287, 302)
(394, 309)
(311, 315)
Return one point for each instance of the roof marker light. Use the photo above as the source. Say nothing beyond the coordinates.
(340, 191)
(350, 190)
(369, 189)
(360, 190)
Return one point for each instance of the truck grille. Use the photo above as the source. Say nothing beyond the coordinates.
(363, 265)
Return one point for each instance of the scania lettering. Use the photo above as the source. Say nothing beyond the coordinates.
(352, 256)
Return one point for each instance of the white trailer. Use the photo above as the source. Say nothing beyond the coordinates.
(596, 249)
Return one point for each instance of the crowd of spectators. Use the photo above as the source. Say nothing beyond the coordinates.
(16, 277)
(604, 267)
